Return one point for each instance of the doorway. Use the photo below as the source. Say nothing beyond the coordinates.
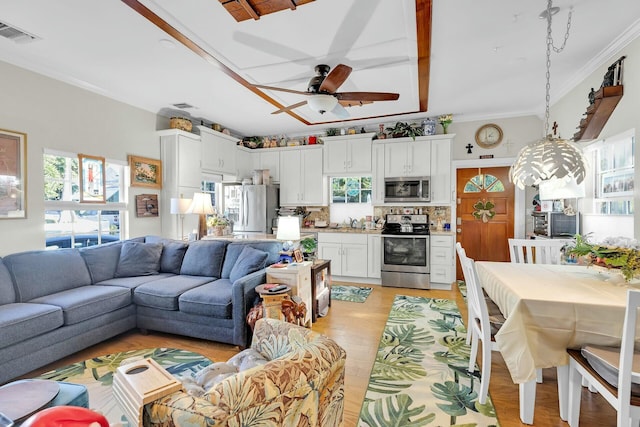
(485, 213)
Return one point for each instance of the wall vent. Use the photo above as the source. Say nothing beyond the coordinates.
(17, 35)
(183, 105)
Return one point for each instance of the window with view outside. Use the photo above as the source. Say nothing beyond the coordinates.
(68, 223)
(351, 189)
(614, 177)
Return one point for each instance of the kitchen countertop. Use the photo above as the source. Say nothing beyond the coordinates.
(339, 230)
(251, 236)
(442, 233)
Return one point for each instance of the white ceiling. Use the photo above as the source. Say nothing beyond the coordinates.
(487, 57)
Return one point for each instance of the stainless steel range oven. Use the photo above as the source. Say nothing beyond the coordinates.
(405, 251)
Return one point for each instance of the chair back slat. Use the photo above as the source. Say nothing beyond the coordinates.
(538, 251)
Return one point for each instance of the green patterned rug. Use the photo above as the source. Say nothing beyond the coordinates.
(419, 377)
(350, 293)
(97, 375)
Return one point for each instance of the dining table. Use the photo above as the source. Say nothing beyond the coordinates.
(549, 309)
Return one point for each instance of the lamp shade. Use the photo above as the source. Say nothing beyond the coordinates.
(180, 206)
(322, 103)
(288, 228)
(201, 204)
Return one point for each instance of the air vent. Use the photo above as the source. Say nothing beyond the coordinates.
(15, 34)
(183, 105)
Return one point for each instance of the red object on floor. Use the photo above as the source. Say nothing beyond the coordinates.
(66, 416)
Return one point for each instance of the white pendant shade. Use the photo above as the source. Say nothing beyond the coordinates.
(322, 103)
(546, 159)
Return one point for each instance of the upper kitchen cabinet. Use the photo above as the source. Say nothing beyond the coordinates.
(218, 151)
(269, 159)
(301, 180)
(406, 157)
(441, 171)
(347, 154)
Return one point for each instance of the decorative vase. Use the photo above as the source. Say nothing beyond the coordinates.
(444, 127)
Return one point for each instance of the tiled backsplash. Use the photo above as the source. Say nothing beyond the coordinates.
(324, 213)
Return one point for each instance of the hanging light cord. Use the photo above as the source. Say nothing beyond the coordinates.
(556, 50)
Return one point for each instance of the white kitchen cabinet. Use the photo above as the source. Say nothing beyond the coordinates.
(245, 163)
(269, 159)
(441, 171)
(181, 177)
(347, 252)
(377, 174)
(218, 151)
(442, 266)
(301, 180)
(347, 154)
(374, 251)
(405, 157)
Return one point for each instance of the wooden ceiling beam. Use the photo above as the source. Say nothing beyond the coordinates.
(249, 9)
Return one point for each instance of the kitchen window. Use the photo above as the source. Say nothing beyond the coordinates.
(69, 223)
(351, 189)
(614, 174)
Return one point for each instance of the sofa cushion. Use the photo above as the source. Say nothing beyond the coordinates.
(272, 248)
(164, 293)
(7, 292)
(139, 259)
(38, 273)
(172, 253)
(211, 299)
(248, 261)
(102, 260)
(85, 302)
(134, 281)
(21, 321)
(204, 258)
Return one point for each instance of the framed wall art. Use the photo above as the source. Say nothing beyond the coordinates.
(147, 205)
(297, 255)
(92, 179)
(145, 172)
(13, 174)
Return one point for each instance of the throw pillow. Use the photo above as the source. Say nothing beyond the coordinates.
(172, 256)
(204, 258)
(139, 259)
(250, 260)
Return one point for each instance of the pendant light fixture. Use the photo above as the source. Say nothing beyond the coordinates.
(550, 157)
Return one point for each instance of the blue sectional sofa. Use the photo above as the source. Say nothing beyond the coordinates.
(56, 302)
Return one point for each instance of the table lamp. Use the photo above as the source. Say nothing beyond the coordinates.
(288, 231)
(201, 205)
(180, 206)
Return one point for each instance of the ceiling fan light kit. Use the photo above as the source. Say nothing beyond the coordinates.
(549, 157)
(322, 103)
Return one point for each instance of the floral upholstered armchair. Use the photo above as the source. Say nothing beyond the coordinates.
(301, 385)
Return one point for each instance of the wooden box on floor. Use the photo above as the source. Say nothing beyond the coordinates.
(138, 383)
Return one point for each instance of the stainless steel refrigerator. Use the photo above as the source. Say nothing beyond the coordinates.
(252, 208)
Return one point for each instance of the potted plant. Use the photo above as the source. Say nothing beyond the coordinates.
(308, 245)
(403, 129)
(218, 224)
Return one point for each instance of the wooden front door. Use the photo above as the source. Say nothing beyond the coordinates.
(484, 213)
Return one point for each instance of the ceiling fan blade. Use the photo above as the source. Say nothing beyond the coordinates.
(272, 48)
(298, 92)
(367, 96)
(290, 107)
(354, 103)
(340, 112)
(352, 26)
(335, 78)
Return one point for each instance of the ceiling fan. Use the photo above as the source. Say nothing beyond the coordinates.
(323, 96)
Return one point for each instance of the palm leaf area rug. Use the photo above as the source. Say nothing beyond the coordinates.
(420, 377)
(350, 293)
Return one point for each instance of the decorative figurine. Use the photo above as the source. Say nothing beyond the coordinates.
(469, 147)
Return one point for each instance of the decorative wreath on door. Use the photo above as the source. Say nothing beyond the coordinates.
(484, 210)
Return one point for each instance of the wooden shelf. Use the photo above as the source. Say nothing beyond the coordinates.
(598, 113)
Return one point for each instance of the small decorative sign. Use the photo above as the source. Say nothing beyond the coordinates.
(487, 156)
(147, 205)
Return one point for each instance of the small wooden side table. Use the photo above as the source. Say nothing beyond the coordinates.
(272, 302)
(320, 286)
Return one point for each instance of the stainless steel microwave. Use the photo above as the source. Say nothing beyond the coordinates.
(407, 189)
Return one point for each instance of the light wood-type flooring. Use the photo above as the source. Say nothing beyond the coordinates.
(357, 328)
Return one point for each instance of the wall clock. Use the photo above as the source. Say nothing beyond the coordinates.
(489, 135)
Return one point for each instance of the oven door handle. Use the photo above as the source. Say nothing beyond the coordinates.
(405, 236)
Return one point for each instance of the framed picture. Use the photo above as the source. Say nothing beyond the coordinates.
(92, 179)
(145, 172)
(13, 174)
(147, 205)
(297, 255)
(618, 183)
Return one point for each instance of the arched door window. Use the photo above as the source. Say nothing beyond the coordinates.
(486, 182)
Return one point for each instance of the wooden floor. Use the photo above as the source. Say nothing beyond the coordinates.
(357, 328)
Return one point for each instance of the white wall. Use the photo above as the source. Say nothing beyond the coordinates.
(568, 111)
(59, 116)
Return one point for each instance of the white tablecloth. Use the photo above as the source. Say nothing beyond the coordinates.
(550, 308)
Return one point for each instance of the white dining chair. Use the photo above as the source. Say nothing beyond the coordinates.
(536, 251)
(478, 324)
(614, 372)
